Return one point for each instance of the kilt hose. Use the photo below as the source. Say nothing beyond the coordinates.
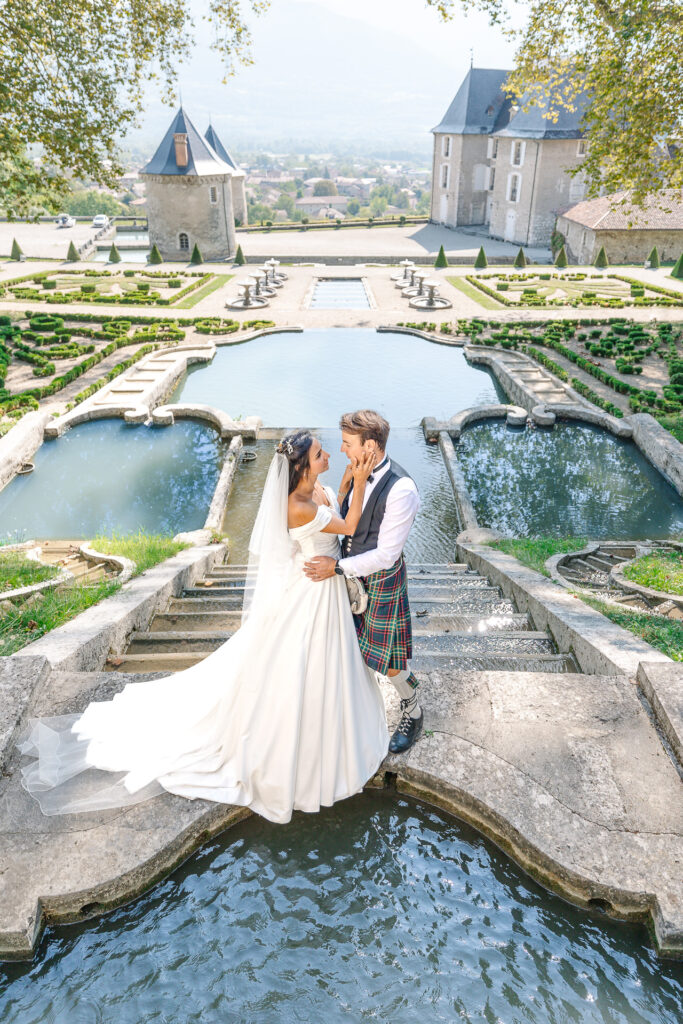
(384, 630)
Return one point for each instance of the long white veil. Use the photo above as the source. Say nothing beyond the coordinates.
(113, 753)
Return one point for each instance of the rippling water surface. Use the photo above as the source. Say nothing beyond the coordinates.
(378, 909)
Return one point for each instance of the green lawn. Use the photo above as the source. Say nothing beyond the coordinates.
(22, 625)
(485, 301)
(664, 634)
(16, 570)
(662, 570)
(534, 551)
(201, 293)
(145, 549)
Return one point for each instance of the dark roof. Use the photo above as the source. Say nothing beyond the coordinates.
(534, 123)
(202, 158)
(480, 106)
(216, 144)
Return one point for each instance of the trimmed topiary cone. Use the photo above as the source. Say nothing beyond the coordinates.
(440, 262)
(653, 259)
(601, 261)
(677, 271)
(561, 260)
(114, 254)
(16, 250)
(196, 256)
(481, 262)
(520, 259)
(155, 256)
(239, 257)
(72, 255)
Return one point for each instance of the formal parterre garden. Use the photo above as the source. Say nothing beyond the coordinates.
(139, 287)
(544, 288)
(59, 349)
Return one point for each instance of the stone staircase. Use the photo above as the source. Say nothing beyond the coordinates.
(66, 554)
(459, 621)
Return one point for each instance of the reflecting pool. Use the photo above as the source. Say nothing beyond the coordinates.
(127, 255)
(310, 379)
(377, 909)
(573, 480)
(339, 293)
(105, 475)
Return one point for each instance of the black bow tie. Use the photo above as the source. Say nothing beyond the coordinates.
(377, 469)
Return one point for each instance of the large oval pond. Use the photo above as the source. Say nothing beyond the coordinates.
(573, 480)
(378, 909)
(105, 475)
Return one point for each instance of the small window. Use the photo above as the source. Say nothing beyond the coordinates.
(446, 145)
(184, 241)
(494, 149)
(492, 178)
(213, 194)
(581, 148)
(513, 188)
(444, 175)
(517, 153)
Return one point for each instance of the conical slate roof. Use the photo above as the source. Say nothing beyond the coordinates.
(480, 106)
(218, 147)
(201, 157)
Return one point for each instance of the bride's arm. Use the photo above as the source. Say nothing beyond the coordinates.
(361, 470)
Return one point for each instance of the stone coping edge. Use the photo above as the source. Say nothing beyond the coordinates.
(425, 335)
(125, 566)
(467, 517)
(511, 384)
(83, 643)
(21, 442)
(223, 489)
(514, 415)
(553, 563)
(166, 415)
(599, 646)
(617, 575)
(659, 446)
(662, 684)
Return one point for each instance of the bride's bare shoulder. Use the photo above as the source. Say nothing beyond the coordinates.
(300, 511)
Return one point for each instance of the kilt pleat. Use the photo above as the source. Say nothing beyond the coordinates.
(384, 631)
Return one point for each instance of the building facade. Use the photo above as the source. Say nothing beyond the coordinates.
(501, 168)
(189, 196)
(627, 232)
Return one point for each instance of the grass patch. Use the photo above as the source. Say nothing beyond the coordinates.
(533, 551)
(201, 293)
(16, 570)
(23, 624)
(485, 301)
(664, 634)
(145, 549)
(674, 424)
(662, 570)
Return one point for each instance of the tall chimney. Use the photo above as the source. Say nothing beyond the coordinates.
(180, 143)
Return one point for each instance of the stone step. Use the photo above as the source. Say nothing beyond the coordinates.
(599, 563)
(179, 641)
(202, 621)
(433, 622)
(512, 643)
(478, 585)
(467, 602)
(456, 583)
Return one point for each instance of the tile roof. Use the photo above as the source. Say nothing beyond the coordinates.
(662, 211)
(479, 106)
(202, 158)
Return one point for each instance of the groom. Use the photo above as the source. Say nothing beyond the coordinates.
(375, 554)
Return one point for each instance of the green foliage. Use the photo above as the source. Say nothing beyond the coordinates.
(16, 251)
(601, 261)
(664, 634)
(481, 262)
(72, 255)
(535, 551)
(155, 256)
(88, 203)
(324, 187)
(561, 260)
(239, 257)
(196, 257)
(441, 260)
(22, 625)
(145, 549)
(114, 254)
(16, 570)
(662, 570)
(520, 259)
(677, 271)
(653, 259)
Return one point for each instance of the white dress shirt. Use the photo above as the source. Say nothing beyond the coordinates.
(403, 502)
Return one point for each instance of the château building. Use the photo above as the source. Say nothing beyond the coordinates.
(501, 168)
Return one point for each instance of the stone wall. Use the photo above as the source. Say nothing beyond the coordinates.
(627, 246)
(183, 204)
(239, 199)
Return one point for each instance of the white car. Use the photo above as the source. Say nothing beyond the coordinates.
(65, 220)
(100, 221)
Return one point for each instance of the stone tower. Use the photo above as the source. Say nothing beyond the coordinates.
(239, 195)
(189, 196)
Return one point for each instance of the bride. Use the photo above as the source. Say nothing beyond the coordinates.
(284, 716)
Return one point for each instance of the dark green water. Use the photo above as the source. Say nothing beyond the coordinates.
(379, 909)
(105, 475)
(572, 480)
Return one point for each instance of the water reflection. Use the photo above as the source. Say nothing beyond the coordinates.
(376, 909)
(573, 480)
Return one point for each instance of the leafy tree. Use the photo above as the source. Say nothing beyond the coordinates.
(378, 205)
(520, 259)
(441, 260)
(72, 255)
(87, 203)
(561, 260)
(624, 55)
(239, 257)
(155, 256)
(677, 271)
(114, 254)
(423, 204)
(285, 203)
(654, 259)
(16, 250)
(352, 207)
(601, 261)
(481, 262)
(324, 187)
(196, 256)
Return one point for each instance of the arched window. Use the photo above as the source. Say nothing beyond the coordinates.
(184, 242)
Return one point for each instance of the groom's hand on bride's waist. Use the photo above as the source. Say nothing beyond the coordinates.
(320, 568)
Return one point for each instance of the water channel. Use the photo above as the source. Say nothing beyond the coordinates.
(379, 908)
(340, 293)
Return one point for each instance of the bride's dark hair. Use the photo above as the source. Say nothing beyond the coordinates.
(295, 447)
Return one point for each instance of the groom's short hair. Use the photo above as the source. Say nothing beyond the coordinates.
(369, 424)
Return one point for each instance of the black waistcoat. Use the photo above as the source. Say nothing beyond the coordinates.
(367, 531)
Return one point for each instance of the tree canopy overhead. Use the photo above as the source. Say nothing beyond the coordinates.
(627, 55)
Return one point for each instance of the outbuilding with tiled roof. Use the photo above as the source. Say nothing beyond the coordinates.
(628, 231)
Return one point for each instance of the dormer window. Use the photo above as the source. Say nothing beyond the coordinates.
(181, 152)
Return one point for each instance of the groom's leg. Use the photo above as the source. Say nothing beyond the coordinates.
(406, 685)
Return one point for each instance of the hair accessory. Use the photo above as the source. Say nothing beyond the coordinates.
(286, 447)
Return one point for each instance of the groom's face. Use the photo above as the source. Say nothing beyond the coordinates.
(353, 447)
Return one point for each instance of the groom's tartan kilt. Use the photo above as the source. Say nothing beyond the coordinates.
(384, 630)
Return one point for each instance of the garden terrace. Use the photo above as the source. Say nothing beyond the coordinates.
(544, 288)
(128, 287)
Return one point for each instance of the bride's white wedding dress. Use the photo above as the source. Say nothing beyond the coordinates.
(284, 716)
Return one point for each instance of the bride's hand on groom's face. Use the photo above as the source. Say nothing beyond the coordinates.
(362, 467)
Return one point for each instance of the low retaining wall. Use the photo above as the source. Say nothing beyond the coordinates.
(19, 681)
(463, 503)
(166, 415)
(515, 388)
(662, 684)
(21, 442)
(216, 513)
(659, 446)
